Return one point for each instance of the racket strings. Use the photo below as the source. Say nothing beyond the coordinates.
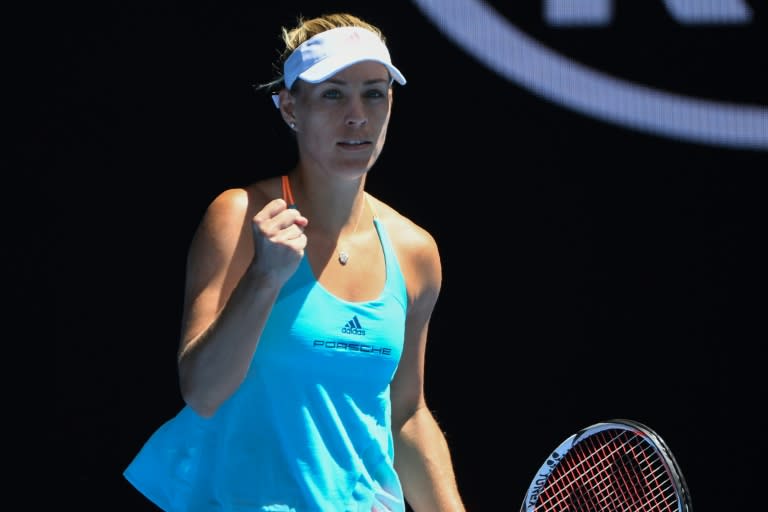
(616, 480)
(608, 472)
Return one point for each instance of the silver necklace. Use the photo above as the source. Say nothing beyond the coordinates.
(344, 255)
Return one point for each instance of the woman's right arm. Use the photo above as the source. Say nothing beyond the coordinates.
(236, 265)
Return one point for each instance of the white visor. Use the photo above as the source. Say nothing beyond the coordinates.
(331, 51)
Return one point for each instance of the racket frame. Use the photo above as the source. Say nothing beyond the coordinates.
(652, 438)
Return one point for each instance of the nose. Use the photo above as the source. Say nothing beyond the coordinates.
(356, 115)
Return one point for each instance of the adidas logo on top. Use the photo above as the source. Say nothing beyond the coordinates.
(353, 327)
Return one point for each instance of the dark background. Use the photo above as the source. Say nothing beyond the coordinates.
(590, 271)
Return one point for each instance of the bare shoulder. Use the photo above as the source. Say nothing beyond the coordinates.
(416, 249)
(228, 215)
(403, 231)
(245, 200)
(222, 247)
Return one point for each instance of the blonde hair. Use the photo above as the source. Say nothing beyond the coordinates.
(306, 29)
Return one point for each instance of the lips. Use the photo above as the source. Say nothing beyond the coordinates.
(354, 143)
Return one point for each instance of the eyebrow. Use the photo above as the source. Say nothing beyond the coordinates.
(373, 81)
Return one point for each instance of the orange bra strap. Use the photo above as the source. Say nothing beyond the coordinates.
(287, 194)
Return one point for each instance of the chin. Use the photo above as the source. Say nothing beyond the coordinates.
(355, 166)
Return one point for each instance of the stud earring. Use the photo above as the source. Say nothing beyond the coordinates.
(293, 125)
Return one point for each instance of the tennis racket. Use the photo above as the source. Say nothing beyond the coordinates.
(617, 465)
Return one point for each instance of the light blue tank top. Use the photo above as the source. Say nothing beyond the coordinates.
(309, 429)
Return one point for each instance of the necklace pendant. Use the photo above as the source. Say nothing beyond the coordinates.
(343, 257)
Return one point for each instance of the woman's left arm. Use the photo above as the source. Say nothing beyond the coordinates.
(422, 456)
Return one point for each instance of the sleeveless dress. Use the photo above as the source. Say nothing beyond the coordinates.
(309, 429)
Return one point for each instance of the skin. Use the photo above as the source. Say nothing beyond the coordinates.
(249, 243)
